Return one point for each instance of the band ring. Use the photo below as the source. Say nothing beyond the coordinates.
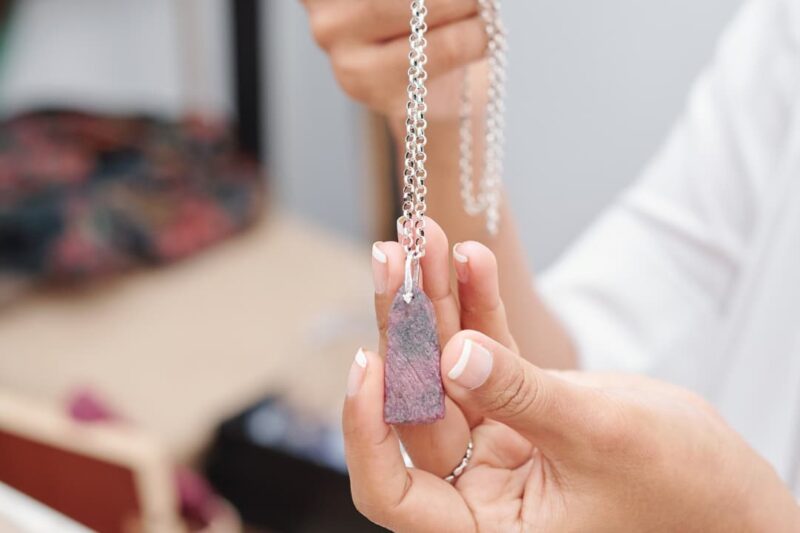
(461, 466)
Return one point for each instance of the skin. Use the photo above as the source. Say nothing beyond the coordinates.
(553, 451)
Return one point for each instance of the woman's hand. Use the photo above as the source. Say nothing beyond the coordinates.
(567, 452)
(367, 41)
(475, 305)
(552, 451)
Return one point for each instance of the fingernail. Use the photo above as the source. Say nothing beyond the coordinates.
(356, 376)
(461, 263)
(473, 366)
(380, 270)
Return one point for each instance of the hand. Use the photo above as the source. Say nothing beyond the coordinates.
(568, 452)
(477, 306)
(552, 451)
(367, 42)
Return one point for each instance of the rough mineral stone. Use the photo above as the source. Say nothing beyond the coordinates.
(413, 379)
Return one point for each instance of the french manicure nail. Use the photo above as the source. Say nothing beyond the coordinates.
(380, 270)
(473, 366)
(461, 263)
(356, 376)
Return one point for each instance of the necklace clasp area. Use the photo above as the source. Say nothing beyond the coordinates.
(411, 277)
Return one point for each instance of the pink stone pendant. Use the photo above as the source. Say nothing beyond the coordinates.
(413, 378)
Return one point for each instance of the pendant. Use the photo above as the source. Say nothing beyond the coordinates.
(413, 380)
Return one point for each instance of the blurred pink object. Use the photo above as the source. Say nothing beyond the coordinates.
(85, 406)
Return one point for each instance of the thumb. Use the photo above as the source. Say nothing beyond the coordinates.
(487, 379)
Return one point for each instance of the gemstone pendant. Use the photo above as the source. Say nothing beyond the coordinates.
(413, 381)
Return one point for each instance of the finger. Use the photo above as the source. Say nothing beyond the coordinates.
(560, 417)
(449, 48)
(437, 447)
(387, 273)
(479, 292)
(383, 489)
(499, 446)
(378, 73)
(436, 280)
(380, 20)
(391, 19)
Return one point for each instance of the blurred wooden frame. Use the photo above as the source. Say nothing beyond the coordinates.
(107, 476)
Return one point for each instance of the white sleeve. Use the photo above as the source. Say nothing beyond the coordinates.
(655, 271)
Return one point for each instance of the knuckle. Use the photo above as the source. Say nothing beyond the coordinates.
(622, 432)
(377, 506)
(488, 306)
(322, 27)
(609, 431)
(450, 49)
(382, 320)
(366, 504)
(350, 72)
(350, 432)
(519, 394)
(383, 323)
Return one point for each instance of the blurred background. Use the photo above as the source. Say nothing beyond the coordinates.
(186, 204)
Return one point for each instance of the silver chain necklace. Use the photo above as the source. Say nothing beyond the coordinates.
(412, 222)
(415, 175)
(413, 392)
(488, 198)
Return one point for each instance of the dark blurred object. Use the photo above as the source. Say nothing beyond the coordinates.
(246, 21)
(284, 472)
(84, 195)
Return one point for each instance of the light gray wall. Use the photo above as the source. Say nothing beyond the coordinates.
(315, 157)
(594, 87)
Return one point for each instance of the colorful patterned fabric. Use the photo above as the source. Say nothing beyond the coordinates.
(83, 195)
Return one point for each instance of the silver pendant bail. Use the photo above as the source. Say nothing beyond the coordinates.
(411, 277)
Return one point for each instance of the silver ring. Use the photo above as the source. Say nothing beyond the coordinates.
(461, 466)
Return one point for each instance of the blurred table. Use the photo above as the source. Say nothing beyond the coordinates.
(281, 308)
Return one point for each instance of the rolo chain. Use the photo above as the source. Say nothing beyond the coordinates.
(412, 223)
(487, 200)
(415, 175)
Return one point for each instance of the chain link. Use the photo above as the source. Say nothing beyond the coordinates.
(487, 200)
(412, 223)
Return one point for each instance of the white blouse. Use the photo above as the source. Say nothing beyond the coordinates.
(693, 274)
